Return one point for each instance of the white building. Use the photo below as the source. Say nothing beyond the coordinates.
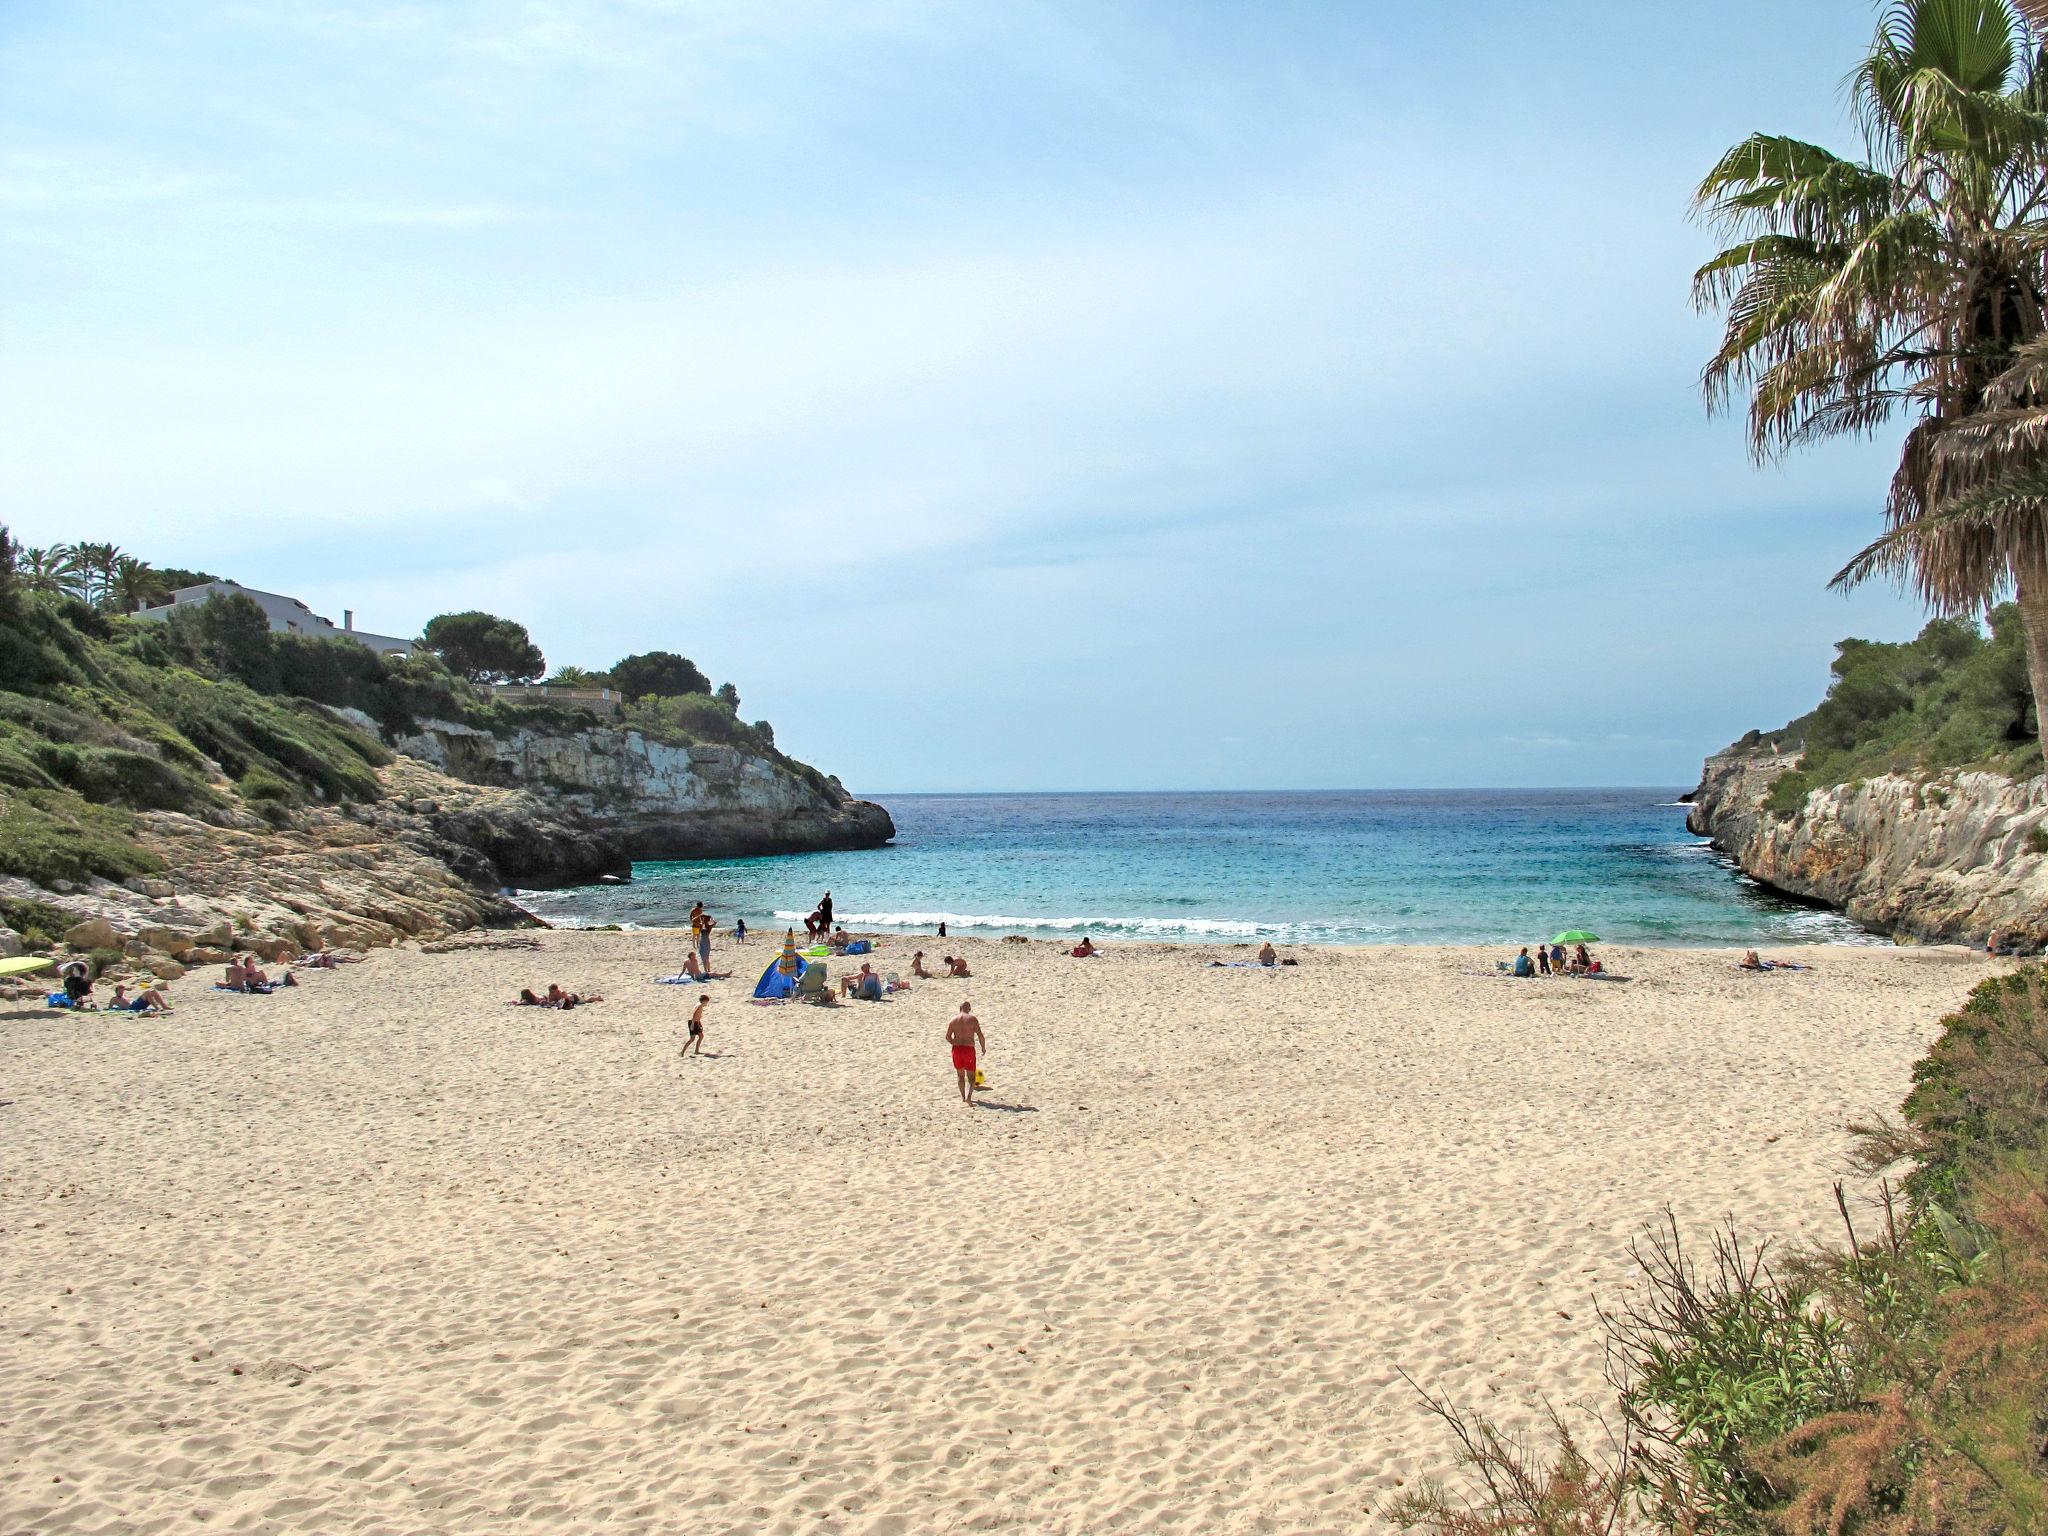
(287, 615)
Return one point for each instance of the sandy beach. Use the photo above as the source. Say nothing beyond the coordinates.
(382, 1254)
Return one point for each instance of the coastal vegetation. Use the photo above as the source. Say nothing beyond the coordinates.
(1955, 696)
(208, 711)
(1895, 1384)
(1911, 282)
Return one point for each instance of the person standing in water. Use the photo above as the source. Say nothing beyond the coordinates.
(696, 1041)
(964, 1035)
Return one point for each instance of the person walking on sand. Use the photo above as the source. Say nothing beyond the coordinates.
(964, 1035)
(696, 1041)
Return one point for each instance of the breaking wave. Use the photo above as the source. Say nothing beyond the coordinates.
(1214, 928)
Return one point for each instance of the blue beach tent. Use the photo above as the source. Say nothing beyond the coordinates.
(774, 984)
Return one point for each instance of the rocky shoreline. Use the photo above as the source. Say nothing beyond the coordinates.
(1953, 857)
(462, 816)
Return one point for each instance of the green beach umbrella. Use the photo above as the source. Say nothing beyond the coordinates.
(1576, 936)
(24, 964)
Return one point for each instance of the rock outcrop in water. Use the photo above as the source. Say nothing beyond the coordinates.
(647, 799)
(1952, 857)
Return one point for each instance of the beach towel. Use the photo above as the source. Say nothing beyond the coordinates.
(680, 979)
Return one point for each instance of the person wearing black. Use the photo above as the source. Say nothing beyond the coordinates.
(825, 911)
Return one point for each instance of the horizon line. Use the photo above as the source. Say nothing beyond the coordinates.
(1358, 789)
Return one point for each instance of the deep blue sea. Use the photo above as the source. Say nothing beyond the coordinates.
(1351, 867)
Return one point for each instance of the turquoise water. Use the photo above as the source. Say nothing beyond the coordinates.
(1364, 867)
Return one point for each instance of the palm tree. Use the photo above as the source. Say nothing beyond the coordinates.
(1906, 283)
(96, 565)
(134, 585)
(52, 570)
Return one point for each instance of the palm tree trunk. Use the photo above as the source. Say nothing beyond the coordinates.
(2031, 590)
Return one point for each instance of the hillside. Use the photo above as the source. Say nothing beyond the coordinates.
(136, 756)
(1911, 798)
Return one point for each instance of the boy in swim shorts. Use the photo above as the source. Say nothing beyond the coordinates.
(696, 1040)
(964, 1034)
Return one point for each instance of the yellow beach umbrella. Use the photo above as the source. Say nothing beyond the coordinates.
(22, 965)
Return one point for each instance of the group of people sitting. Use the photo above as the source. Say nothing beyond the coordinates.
(1551, 960)
(245, 975)
(554, 997)
(868, 985)
(77, 994)
(954, 967)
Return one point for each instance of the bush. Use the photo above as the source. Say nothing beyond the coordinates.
(51, 835)
(112, 776)
(39, 924)
(260, 784)
(1788, 793)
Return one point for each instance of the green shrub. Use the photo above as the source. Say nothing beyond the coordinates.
(260, 784)
(1788, 793)
(112, 776)
(50, 835)
(1955, 696)
(39, 924)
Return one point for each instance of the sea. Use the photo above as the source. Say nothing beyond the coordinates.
(1339, 867)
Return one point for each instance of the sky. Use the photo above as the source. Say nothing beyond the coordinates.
(1009, 395)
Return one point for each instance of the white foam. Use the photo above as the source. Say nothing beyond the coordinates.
(1217, 928)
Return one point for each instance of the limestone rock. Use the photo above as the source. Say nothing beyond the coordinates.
(172, 941)
(93, 933)
(165, 968)
(10, 943)
(1953, 857)
(645, 798)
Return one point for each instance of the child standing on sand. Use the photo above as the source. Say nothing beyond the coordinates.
(696, 1040)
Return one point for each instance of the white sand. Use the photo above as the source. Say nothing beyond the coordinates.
(384, 1255)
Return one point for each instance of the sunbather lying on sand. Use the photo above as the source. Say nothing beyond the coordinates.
(148, 1000)
(327, 959)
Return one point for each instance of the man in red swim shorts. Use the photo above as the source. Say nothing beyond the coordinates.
(964, 1034)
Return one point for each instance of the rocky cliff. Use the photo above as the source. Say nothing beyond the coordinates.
(1955, 856)
(645, 799)
(461, 814)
